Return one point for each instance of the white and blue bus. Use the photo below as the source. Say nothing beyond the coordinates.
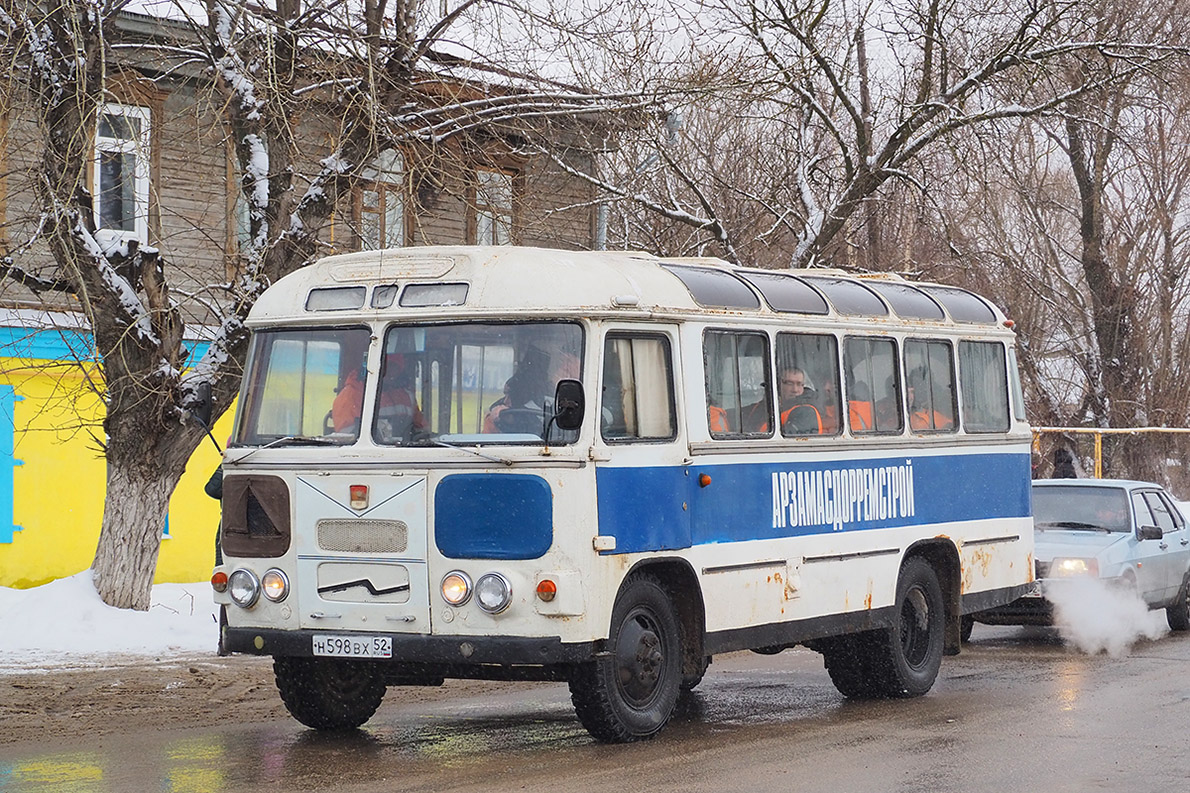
(607, 468)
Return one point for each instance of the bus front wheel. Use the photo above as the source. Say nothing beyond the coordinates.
(628, 692)
(329, 694)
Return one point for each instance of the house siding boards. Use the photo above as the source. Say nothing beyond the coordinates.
(47, 408)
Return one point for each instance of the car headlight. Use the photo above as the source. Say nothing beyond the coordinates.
(244, 588)
(456, 588)
(493, 593)
(1074, 568)
(275, 585)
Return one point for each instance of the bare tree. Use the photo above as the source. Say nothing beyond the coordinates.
(852, 97)
(373, 77)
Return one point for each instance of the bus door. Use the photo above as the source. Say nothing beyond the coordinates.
(642, 484)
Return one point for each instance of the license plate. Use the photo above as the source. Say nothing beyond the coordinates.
(353, 646)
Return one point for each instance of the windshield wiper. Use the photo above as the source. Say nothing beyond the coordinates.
(1072, 524)
(284, 440)
(476, 452)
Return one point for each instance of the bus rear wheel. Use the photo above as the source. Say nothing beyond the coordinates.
(900, 661)
(329, 694)
(629, 692)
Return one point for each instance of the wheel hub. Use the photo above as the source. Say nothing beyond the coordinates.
(639, 659)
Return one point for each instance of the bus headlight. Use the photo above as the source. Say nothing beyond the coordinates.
(456, 588)
(275, 585)
(493, 593)
(1074, 568)
(243, 587)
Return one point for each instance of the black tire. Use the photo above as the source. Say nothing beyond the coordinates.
(966, 625)
(914, 648)
(329, 694)
(628, 693)
(901, 661)
(1178, 615)
(850, 662)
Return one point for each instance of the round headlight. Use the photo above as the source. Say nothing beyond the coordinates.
(243, 587)
(493, 593)
(456, 588)
(275, 585)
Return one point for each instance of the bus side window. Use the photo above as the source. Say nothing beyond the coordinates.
(984, 381)
(807, 384)
(638, 392)
(929, 386)
(739, 401)
(873, 386)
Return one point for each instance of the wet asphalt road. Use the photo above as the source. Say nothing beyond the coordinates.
(1016, 711)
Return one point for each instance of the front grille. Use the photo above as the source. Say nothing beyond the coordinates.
(1042, 569)
(363, 536)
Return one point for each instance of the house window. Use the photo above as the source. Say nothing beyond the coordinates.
(493, 208)
(380, 208)
(120, 172)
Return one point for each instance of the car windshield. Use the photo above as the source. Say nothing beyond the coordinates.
(1089, 508)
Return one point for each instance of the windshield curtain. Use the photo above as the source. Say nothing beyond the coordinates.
(303, 384)
(1091, 508)
(474, 383)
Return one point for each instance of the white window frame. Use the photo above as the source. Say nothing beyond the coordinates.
(493, 221)
(387, 178)
(140, 148)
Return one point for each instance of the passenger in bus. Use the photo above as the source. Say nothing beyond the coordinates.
(398, 405)
(717, 420)
(859, 407)
(799, 414)
(921, 417)
(398, 416)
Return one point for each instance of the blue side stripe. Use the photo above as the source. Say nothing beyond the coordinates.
(65, 345)
(643, 508)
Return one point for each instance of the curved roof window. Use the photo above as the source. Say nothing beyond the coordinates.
(786, 293)
(963, 306)
(908, 301)
(849, 297)
(714, 288)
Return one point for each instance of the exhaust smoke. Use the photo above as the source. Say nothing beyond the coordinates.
(1096, 617)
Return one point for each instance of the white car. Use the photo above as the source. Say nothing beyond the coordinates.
(1127, 533)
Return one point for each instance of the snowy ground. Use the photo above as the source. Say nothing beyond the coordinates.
(65, 624)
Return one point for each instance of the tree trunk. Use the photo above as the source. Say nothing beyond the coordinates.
(135, 507)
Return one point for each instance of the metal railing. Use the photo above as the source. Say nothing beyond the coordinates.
(1098, 432)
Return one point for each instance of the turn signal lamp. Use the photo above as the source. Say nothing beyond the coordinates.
(359, 496)
(219, 581)
(547, 590)
(456, 588)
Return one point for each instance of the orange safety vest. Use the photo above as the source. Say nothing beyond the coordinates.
(920, 420)
(788, 413)
(859, 414)
(717, 419)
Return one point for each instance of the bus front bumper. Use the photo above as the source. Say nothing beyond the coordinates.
(418, 648)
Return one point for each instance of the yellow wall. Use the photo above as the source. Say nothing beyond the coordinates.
(58, 490)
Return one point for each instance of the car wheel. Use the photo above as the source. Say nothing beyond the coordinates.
(329, 694)
(629, 692)
(1178, 615)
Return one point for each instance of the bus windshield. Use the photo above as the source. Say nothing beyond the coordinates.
(466, 383)
(474, 382)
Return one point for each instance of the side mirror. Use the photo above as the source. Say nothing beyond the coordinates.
(569, 405)
(1149, 533)
(201, 408)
